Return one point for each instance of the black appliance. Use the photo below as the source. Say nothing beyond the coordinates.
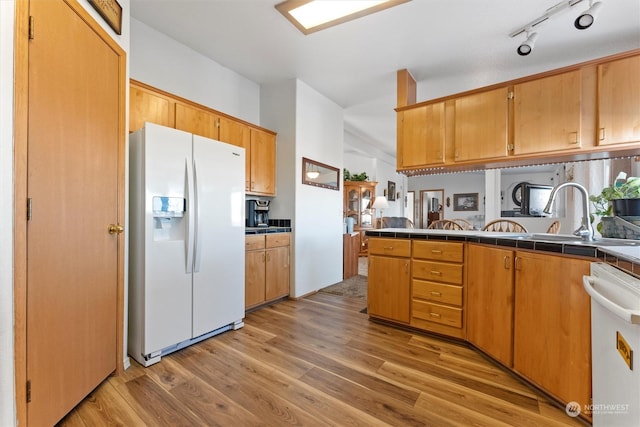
(258, 213)
(534, 198)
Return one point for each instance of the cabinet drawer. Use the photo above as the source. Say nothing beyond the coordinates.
(437, 271)
(438, 251)
(253, 242)
(437, 292)
(390, 247)
(277, 239)
(437, 313)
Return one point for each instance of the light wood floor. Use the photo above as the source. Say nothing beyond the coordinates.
(316, 362)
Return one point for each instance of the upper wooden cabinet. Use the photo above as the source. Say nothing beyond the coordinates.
(421, 136)
(481, 125)
(262, 155)
(156, 106)
(148, 106)
(619, 101)
(546, 114)
(581, 112)
(197, 121)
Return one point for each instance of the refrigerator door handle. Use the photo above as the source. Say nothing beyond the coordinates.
(190, 232)
(196, 241)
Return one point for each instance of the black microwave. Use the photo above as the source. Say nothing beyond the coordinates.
(534, 198)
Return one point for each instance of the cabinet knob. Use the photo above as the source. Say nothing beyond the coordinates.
(116, 229)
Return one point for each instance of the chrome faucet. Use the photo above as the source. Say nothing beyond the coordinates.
(586, 230)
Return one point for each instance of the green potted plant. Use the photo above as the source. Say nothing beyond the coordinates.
(621, 199)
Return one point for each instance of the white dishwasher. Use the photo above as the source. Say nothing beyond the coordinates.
(615, 343)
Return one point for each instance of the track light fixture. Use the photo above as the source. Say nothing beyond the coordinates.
(582, 22)
(586, 18)
(527, 46)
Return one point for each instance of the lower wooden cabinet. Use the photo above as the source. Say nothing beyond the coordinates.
(267, 268)
(351, 249)
(527, 310)
(552, 327)
(388, 292)
(437, 300)
(490, 301)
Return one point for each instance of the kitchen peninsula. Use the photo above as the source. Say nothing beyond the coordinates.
(514, 296)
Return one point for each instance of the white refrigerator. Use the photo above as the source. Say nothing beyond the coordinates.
(186, 240)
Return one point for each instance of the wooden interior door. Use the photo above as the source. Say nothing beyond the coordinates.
(75, 143)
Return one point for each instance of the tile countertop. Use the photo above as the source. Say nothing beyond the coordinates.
(626, 256)
(264, 230)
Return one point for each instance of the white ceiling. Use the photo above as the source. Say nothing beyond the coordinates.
(448, 46)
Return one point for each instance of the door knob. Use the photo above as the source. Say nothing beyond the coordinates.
(115, 229)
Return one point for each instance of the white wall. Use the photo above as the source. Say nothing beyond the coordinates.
(318, 211)
(162, 62)
(455, 183)
(7, 15)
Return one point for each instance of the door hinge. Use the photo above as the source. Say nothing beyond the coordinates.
(28, 391)
(31, 30)
(29, 211)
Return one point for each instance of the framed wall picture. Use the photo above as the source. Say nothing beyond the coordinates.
(391, 191)
(465, 202)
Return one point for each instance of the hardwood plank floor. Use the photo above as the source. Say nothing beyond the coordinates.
(315, 362)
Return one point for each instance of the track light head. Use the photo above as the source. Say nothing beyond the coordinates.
(587, 18)
(527, 46)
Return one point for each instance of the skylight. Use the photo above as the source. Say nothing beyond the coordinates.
(314, 15)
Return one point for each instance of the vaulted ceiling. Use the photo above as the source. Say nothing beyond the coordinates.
(448, 46)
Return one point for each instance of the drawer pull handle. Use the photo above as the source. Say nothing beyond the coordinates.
(435, 294)
(436, 251)
(387, 248)
(436, 273)
(436, 315)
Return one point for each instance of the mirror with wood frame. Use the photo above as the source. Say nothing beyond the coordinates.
(320, 175)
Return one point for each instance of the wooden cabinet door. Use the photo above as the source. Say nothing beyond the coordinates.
(263, 163)
(552, 329)
(254, 278)
(196, 121)
(277, 275)
(619, 101)
(388, 293)
(422, 134)
(352, 202)
(546, 114)
(75, 178)
(146, 106)
(481, 125)
(490, 301)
